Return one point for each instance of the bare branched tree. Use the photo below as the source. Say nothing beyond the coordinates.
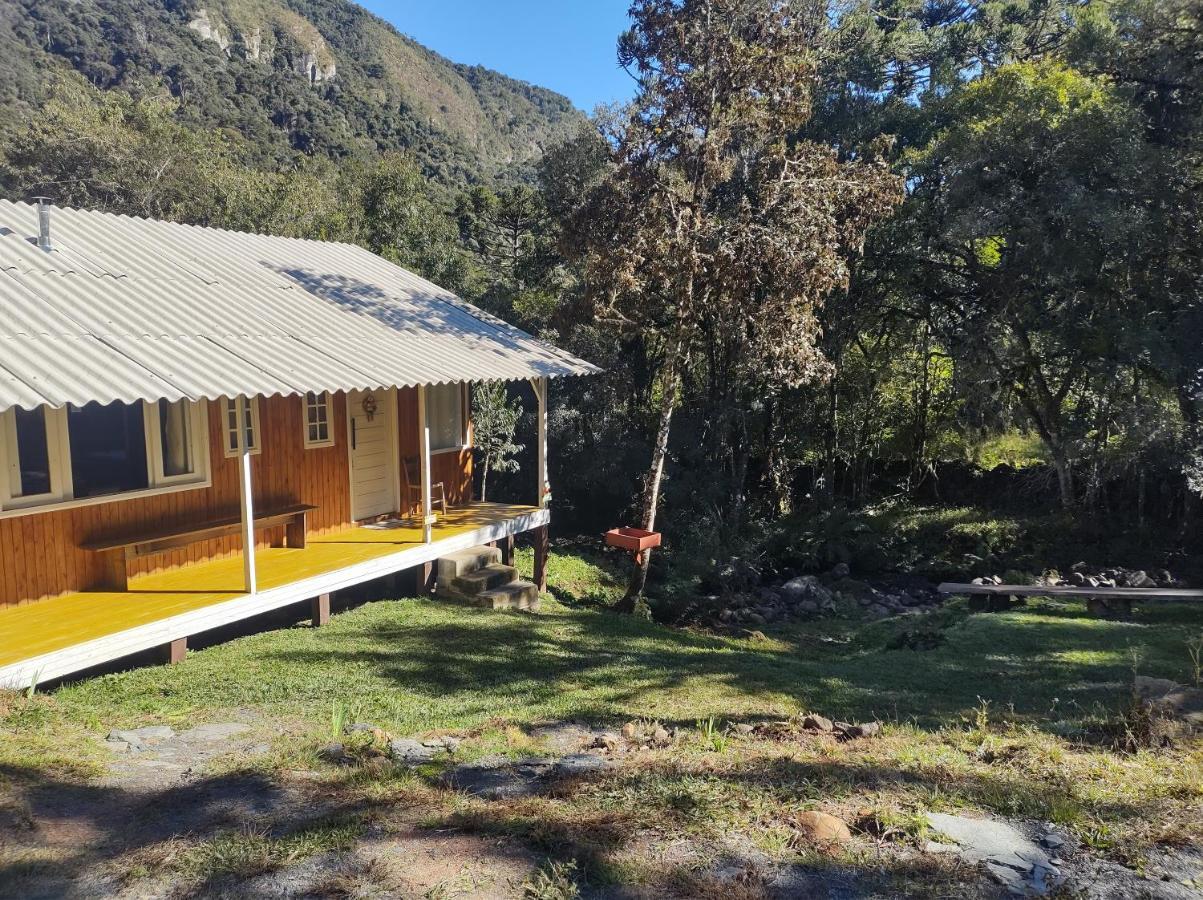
(713, 209)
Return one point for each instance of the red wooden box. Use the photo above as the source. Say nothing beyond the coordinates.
(634, 539)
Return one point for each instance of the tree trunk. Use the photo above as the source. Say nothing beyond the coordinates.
(1047, 419)
(651, 491)
(776, 465)
(1187, 404)
(1141, 488)
(922, 405)
(1065, 479)
(484, 478)
(739, 474)
(831, 437)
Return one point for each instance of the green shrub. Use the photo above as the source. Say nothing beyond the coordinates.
(819, 540)
(1016, 449)
(985, 537)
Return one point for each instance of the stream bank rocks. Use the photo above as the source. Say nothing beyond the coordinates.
(1084, 575)
(738, 596)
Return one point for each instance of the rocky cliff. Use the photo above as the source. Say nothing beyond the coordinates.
(308, 76)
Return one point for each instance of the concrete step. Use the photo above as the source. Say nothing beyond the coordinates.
(464, 562)
(492, 576)
(515, 595)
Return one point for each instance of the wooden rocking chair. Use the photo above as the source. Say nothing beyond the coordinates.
(411, 469)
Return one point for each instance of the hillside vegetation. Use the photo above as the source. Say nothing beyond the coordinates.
(317, 77)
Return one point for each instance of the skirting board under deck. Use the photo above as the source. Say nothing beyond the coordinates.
(111, 647)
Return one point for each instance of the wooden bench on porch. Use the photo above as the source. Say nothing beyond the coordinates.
(1105, 602)
(118, 552)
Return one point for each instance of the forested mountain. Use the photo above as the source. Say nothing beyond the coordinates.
(318, 77)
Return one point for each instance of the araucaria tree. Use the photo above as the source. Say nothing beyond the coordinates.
(494, 420)
(717, 226)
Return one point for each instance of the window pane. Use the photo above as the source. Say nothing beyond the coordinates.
(33, 452)
(317, 428)
(446, 416)
(248, 416)
(175, 438)
(232, 424)
(108, 449)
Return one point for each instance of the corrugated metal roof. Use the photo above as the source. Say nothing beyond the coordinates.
(135, 309)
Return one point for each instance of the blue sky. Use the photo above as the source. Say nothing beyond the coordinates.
(565, 45)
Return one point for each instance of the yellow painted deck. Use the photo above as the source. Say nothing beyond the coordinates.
(49, 625)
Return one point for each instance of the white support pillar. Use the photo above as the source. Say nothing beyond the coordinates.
(246, 495)
(424, 459)
(543, 486)
(543, 497)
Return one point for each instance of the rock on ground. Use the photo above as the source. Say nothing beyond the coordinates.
(409, 752)
(1010, 857)
(501, 778)
(824, 828)
(1173, 700)
(139, 739)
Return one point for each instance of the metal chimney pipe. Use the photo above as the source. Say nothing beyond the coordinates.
(44, 223)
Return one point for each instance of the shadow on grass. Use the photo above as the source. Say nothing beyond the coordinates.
(95, 833)
(684, 845)
(1035, 664)
(76, 839)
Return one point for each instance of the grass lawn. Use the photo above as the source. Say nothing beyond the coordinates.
(1012, 714)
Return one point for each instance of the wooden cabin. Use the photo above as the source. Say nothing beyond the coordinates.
(198, 426)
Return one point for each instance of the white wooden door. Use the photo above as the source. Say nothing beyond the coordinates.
(372, 439)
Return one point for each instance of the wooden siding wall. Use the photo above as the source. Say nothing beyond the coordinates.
(40, 555)
(453, 468)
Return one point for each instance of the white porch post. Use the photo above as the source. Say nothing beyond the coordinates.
(246, 497)
(543, 497)
(424, 442)
(543, 488)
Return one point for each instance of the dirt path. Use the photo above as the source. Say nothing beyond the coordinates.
(114, 837)
(163, 822)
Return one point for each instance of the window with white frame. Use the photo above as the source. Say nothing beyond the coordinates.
(94, 452)
(250, 423)
(318, 432)
(445, 411)
(32, 442)
(176, 432)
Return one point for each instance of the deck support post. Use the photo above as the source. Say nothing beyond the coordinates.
(175, 651)
(507, 549)
(542, 548)
(424, 579)
(320, 608)
(245, 494)
(424, 442)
